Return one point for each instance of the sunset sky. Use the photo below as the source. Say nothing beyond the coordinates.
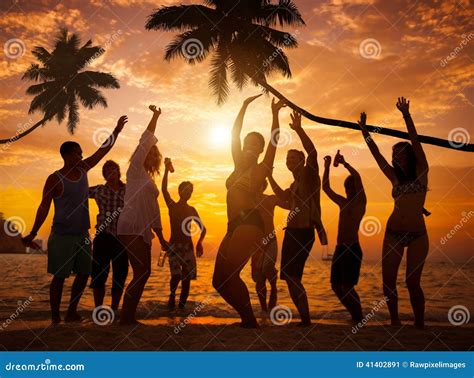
(331, 78)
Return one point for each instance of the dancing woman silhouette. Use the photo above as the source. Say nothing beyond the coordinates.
(406, 225)
(245, 229)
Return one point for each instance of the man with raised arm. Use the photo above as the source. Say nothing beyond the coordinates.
(345, 268)
(68, 245)
(303, 198)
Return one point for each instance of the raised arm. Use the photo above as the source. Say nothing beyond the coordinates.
(404, 106)
(152, 124)
(164, 187)
(338, 199)
(282, 195)
(237, 129)
(50, 188)
(274, 137)
(97, 156)
(386, 168)
(147, 140)
(308, 145)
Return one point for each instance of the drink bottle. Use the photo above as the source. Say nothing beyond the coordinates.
(169, 164)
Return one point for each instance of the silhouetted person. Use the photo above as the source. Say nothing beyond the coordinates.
(346, 261)
(303, 199)
(68, 245)
(107, 248)
(406, 227)
(141, 216)
(264, 261)
(181, 249)
(245, 228)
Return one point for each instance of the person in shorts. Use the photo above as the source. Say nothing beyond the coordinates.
(347, 258)
(107, 248)
(303, 201)
(264, 260)
(182, 260)
(69, 245)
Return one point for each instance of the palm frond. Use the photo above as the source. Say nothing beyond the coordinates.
(90, 97)
(193, 45)
(35, 73)
(38, 88)
(41, 54)
(218, 80)
(276, 37)
(285, 13)
(181, 17)
(95, 79)
(73, 114)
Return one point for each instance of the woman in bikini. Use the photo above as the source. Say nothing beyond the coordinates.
(406, 225)
(245, 230)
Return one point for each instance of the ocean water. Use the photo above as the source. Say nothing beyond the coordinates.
(445, 284)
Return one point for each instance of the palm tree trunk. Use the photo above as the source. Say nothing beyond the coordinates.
(23, 134)
(374, 129)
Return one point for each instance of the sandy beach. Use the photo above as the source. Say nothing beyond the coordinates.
(208, 323)
(209, 334)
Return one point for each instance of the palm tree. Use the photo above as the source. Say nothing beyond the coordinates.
(63, 82)
(244, 43)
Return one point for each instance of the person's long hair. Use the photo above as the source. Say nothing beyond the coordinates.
(408, 174)
(154, 169)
